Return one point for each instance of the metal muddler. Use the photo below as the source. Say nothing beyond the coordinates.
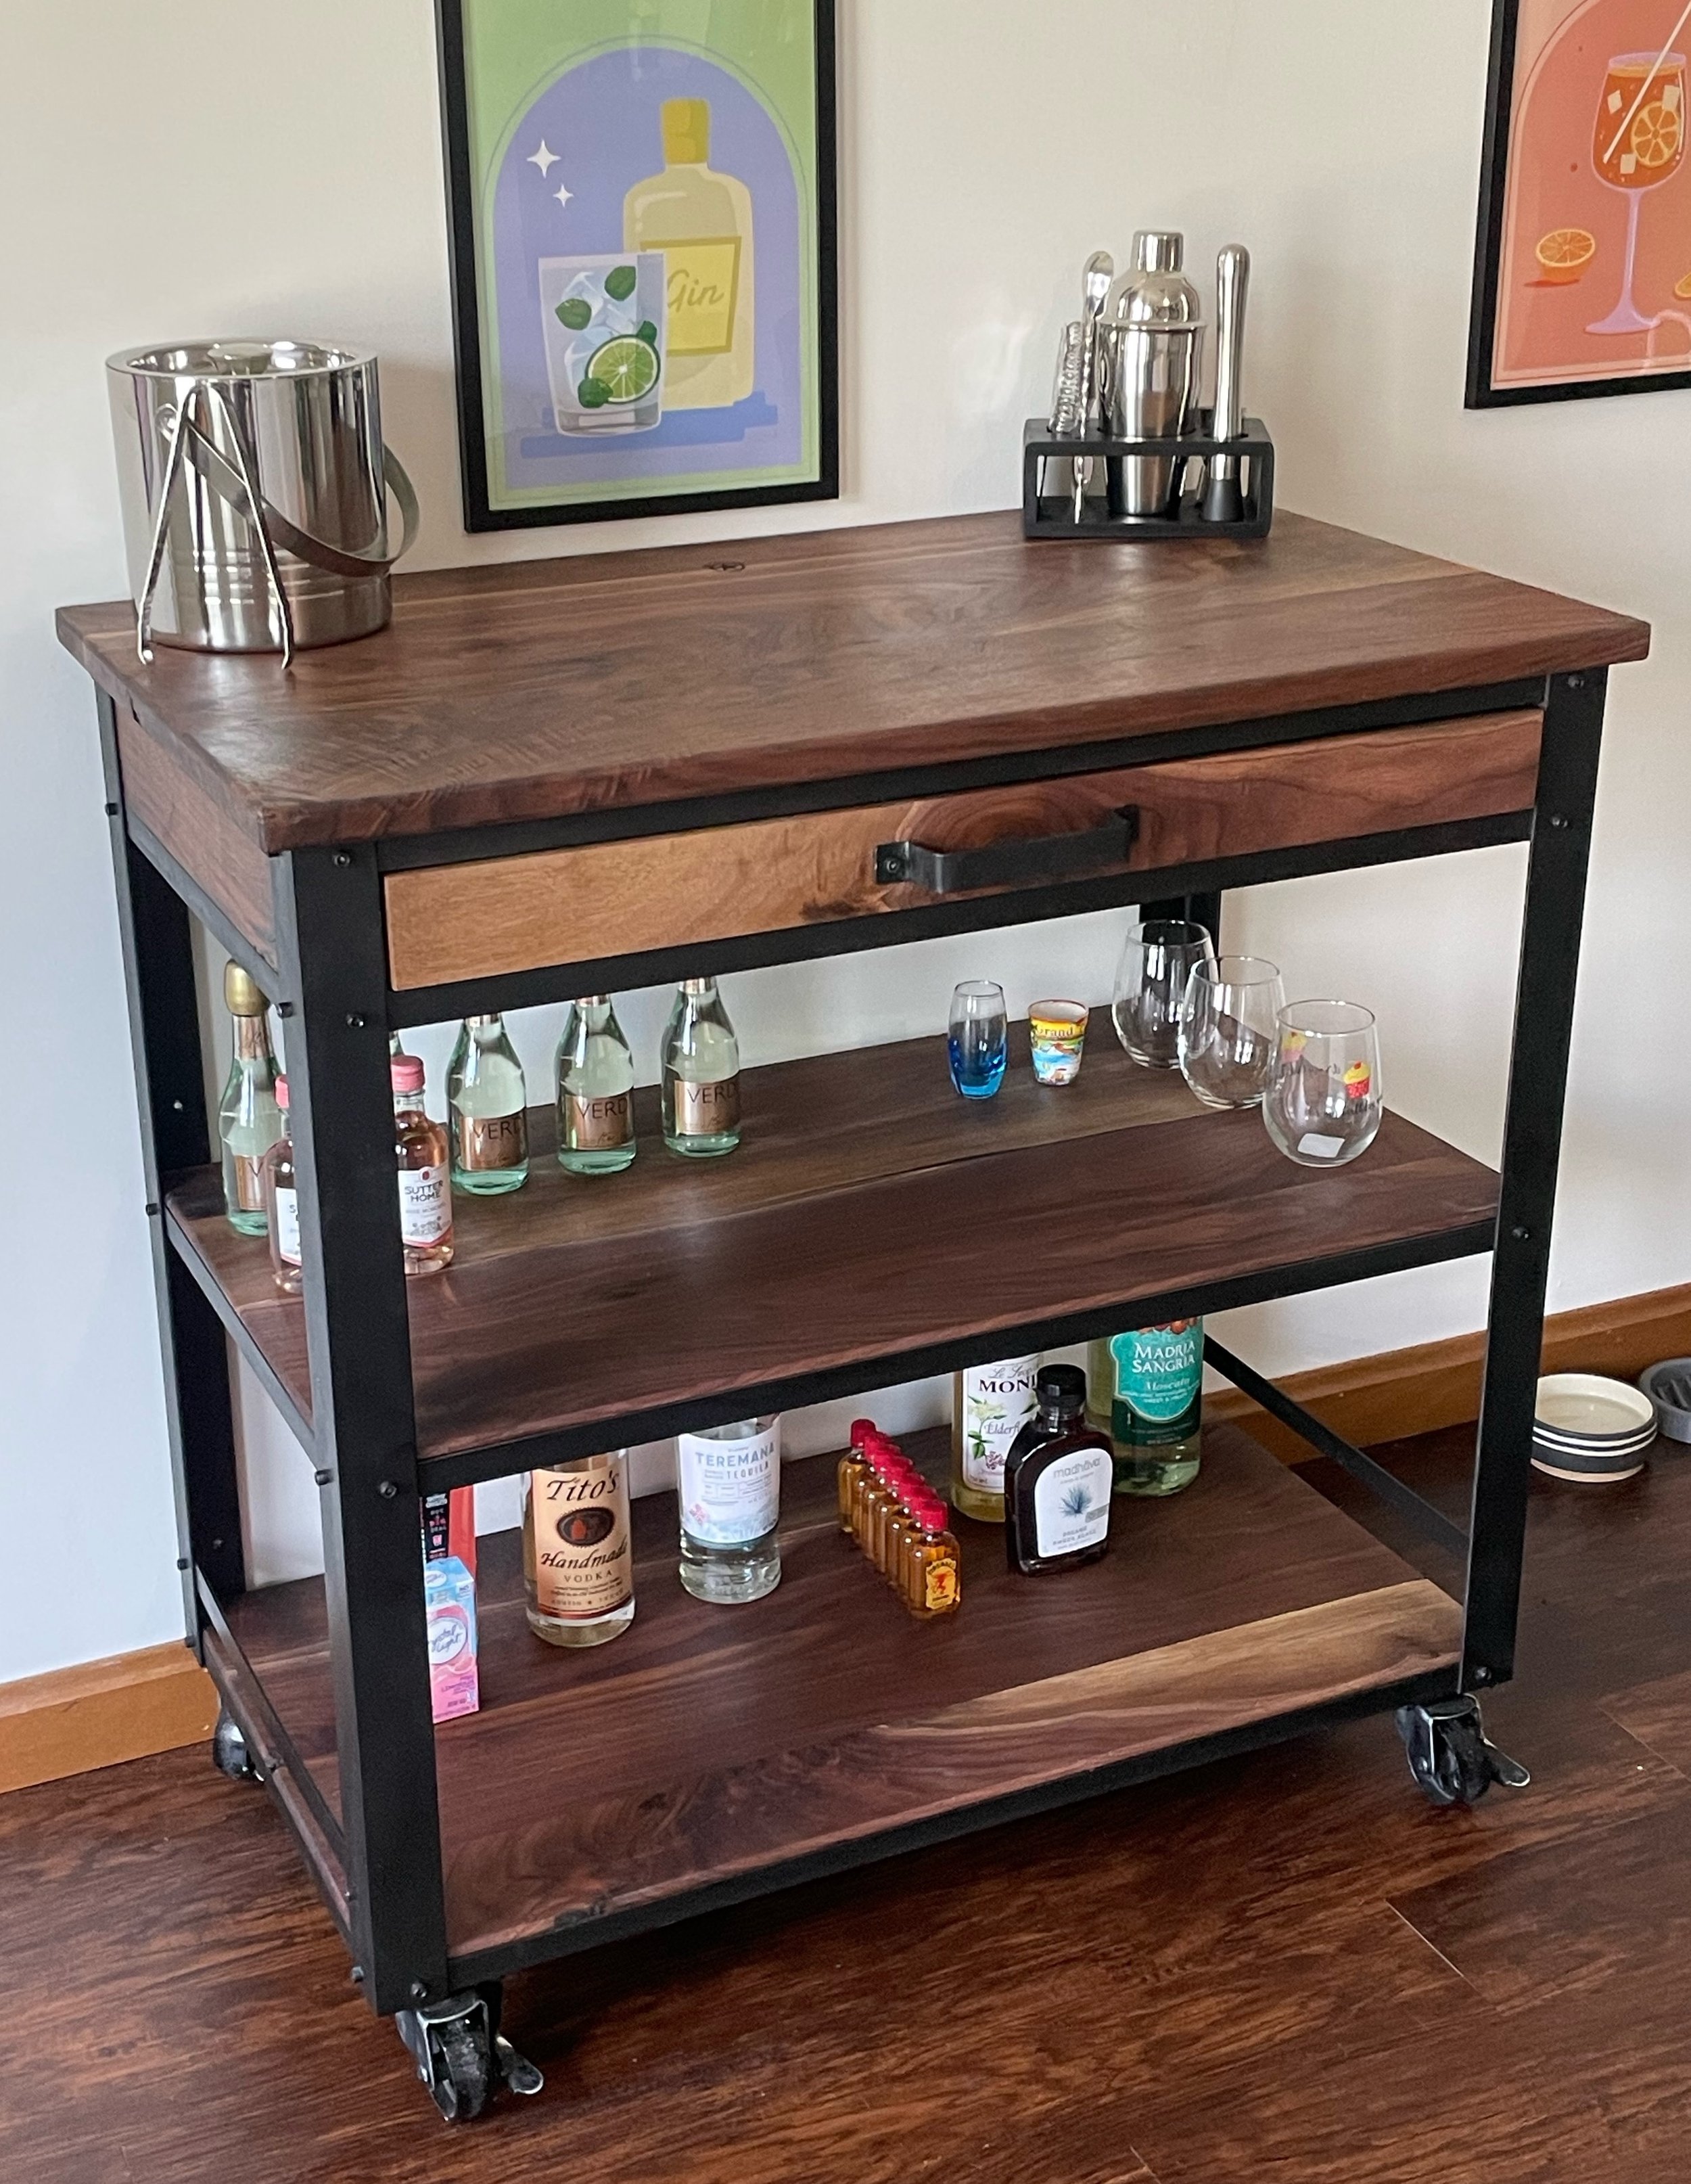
(1224, 495)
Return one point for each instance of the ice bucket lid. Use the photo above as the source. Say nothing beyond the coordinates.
(238, 360)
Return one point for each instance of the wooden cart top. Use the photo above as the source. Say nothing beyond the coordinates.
(539, 688)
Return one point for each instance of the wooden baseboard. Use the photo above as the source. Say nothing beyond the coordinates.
(1400, 1392)
(74, 1719)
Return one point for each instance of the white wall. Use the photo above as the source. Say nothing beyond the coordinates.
(209, 166)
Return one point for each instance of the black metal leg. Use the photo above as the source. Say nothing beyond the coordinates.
(170, 1087)
(1205, 910)
(358, 1339)
(1537, 1083)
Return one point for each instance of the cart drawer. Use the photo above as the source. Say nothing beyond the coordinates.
(447, 922)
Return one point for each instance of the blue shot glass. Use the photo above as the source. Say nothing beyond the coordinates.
(980, 1038)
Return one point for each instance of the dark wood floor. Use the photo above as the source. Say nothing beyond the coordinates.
(1286, 1966)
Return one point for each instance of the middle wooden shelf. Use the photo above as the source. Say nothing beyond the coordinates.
(872, 1227)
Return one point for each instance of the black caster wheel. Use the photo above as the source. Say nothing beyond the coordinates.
(229, 1751)
(1449, 1755)
(462, 2056)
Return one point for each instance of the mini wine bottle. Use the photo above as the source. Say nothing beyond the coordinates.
(700, 1089)
(1058, 1480)
(424, 1189)
(281, 1195)
(488, 1103)
(249, 1119)
(595, 1090)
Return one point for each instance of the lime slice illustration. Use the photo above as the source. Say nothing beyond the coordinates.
(620, 282)
(593, 392)
(577, 313)
(628, 368)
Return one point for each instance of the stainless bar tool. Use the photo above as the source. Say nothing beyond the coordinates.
(1098, 273)
(1224, 495)
(1156, 348)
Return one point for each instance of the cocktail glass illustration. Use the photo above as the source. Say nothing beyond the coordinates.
(1638, 145)
(604, 322)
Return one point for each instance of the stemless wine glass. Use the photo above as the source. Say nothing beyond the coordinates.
(1157, 961)
(979, 1037)
(1227, 1029)
(1323, 1103)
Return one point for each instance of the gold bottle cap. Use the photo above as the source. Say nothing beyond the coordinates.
(241, 992)
(686, 131)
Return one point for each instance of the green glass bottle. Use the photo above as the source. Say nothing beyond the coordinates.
(248, 1120)
(488, 1105)
(595, 1090)
(1146, 1389)
(699, 1094)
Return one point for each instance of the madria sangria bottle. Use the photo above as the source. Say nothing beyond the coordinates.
(1145, 1389)
(488, 1103)
(990, 1405)
(578, 1555)
(425, 1184)
(730, 1493)
(700, 1093)
(279, 1193)
(595, 1090)
(249, 1119)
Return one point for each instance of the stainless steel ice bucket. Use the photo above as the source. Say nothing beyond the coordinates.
(253, 481)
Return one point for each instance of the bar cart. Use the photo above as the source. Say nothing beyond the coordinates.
(552, 778)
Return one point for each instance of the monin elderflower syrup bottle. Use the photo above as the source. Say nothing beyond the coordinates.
(990, 1405)
(730, 1493)
(595, 1090)
(1145, 1389)
(489, 1107)
(701, 1080)
(578, 1557)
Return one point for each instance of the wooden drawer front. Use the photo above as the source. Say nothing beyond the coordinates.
(452, 922)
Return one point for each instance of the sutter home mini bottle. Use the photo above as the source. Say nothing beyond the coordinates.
(280, 1194)
(424, 1183)
(1058, 1477)
(249, 1119)
(1146, 1389)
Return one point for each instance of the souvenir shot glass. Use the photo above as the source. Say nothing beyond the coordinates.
(1057, 1034)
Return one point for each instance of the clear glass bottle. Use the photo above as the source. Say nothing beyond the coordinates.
(281, 1197)
(488, 1103)
(578, 1553)
(990, 1405)
(730, 1496)
(249, 1119)
(700, 1056)
(595, 1090)
(1145, 1389)
(1058, 1481)
(424, 1182)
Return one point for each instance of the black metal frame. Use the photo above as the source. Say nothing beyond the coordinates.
(331, 979)
(461, 249)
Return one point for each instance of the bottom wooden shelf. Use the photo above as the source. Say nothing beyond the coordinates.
(710, 1744)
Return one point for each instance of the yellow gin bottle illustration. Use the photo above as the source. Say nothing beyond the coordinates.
(702, 221)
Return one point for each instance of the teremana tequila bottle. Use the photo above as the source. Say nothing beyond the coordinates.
(730, 1493)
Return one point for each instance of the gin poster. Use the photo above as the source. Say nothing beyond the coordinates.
(641, 204)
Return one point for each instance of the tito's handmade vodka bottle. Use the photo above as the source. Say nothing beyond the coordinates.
(702, 222)
(578, 1558)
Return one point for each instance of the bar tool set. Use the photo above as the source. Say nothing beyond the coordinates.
(1127, 451)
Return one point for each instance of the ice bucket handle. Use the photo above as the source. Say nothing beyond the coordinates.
(237, 484)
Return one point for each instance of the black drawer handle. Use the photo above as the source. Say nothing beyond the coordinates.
(1019, 860)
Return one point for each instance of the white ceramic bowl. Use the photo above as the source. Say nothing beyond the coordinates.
(1589, 1410)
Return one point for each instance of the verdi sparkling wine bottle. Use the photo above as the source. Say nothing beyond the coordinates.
(488, 1103)
(248, 1120)
(595, 1090)
(700, 1095)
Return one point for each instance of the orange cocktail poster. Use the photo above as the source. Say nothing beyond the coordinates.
(1593, 270)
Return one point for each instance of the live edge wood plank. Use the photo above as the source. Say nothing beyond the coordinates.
(447, 922)
(706, 1741)
(544, 688)
(868, 1213)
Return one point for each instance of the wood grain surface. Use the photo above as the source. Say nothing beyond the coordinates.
(198, 831)
(541, 688)
(101, 1712)
(1227, 1975)
(478, 920)
(707, 1742)
(920, 1219)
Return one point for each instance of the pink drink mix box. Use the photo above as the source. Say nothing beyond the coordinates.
(449, 1605)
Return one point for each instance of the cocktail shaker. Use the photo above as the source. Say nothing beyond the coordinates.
(1154, 354)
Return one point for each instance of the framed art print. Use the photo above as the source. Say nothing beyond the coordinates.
(1582, 270)
(642, 200)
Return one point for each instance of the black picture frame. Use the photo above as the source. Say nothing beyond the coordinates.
(1481, 392)
(478, 514)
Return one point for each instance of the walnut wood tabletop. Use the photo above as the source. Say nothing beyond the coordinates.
(541, 688)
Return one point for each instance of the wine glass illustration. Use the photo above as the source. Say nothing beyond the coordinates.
(1638, 144)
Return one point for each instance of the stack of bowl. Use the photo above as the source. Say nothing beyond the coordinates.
(1590, 1429)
